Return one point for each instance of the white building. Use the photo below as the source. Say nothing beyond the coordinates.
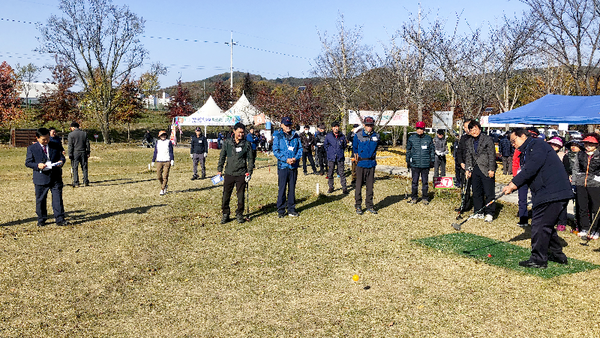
(30, 92)
(156, 102)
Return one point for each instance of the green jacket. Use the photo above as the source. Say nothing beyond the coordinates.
(240, 159)
(420, 151)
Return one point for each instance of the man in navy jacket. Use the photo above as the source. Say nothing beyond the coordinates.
(46, 159)
(198, 153)
(287, 148)
(364, 147)
(550, 188)
(335, 143)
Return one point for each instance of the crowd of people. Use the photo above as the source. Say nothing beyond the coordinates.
(553, 176)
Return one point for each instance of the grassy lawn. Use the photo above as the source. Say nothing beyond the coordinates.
(135, 264)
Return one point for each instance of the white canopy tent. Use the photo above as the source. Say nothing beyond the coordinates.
(245, 110)
(209, 115)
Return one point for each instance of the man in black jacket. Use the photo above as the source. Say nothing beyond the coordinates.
(198, 152)
(237, 152)
(79, 152)
(539, 165)
(308, 142)
(320, 152)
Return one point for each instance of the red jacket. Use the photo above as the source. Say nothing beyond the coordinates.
(516, 164)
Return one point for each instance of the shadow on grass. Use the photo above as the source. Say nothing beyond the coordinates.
(321, 199)
(269, 208)
(129, 181)
(390, 200)
(22, 221)
(194, 189)
(78, 217)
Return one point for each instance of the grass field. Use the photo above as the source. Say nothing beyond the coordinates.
(135, 264)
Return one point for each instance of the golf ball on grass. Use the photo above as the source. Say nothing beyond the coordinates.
(355, 278)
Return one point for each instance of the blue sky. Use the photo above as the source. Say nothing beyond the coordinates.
(264, 30)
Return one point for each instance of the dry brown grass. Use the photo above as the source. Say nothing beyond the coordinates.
(137, 265)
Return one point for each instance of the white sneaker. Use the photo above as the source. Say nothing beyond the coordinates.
(582, 233)
(489, 218)
(478, 216)
(162, 192)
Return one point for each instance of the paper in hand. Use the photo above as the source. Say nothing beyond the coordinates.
(217, 179)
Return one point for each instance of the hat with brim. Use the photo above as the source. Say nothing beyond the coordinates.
(369, 121)
(556, 141)
(574, 143)
(162, 132)
(590, 139)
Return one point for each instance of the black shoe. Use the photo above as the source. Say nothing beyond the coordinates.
(373, 211)
(305, 173)
(194, 178)
(314, 172)
(359, 211)
(293, 214)
(281, 215)
(203, 177)
(86, 184)
(225, 219)
(457, 209)
(531, 264)
(330, 191)
(75, 185)
(41, 224)
(240, 218)
(345, 192)
(62, 223)
(558, 259)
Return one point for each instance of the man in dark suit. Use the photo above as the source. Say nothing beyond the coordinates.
(79, 152)
(46, 159)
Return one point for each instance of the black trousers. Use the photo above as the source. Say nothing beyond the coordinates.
(41, 196)
(424, 174)
(523, 190)
(439, 166)
(322, 159)
(484, 190)
(240, 184)
(340, 171)
(308, 154)
(588, 202)
(544, 238)
(80, 158)
(466, 190)
(286, 196)
(366, 176)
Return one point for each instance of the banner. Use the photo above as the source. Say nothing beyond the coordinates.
(443, 182)
(398, 118)
(225, 120)
(259, 119)
(441, 117)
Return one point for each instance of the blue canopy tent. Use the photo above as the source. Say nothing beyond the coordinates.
(554, 109)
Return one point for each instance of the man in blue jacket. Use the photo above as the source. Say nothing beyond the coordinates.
(540, 165)
(46, 159)
(287, 148)
(335, 143)
(364, 147)
(420, 158)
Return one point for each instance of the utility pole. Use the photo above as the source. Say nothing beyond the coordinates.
(420, 71)
(231, 43)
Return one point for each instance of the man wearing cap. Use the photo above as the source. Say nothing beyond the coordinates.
(163, 158)
(198, 153)
(79, 153)
(540, 165)
(320, 148)
(287, 148)
(308, 142)
(364, 148)
(237, 152)
(420, 154)
(335, 143)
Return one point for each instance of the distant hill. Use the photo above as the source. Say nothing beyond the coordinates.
(200, 94)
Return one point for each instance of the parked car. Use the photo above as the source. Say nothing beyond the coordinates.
(574, 134)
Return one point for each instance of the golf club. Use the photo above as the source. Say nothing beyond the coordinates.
(457, 226)
(247, 198)
(588, 238)
(464, 198)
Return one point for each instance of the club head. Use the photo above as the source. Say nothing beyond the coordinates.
(456, 226)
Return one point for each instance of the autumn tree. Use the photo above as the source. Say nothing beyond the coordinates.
(99, 42)
(10, 110)
(248, 87)
(149, 84)
(180, 104)
(129, 103)
(61, 103)
(309, 108)
(222, 95)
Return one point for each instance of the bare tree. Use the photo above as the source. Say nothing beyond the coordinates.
(340, 65)
(570, 34)
(99, 42)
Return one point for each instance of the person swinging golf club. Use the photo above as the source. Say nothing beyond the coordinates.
(551, 190)
(237, 152)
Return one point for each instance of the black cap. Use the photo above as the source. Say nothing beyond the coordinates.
(369, 121)
(335, 124)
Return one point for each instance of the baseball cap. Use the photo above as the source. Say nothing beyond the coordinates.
(369, 120)
(335, 124)
(420, 125)
(286, 121)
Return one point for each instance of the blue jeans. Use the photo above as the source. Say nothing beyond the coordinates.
(287, 188)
